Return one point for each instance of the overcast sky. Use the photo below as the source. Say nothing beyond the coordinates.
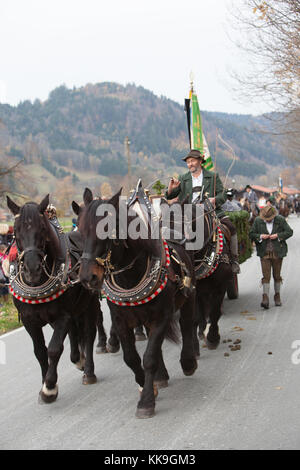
(155, 44)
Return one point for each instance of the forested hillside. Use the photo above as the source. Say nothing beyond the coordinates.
(82, 131)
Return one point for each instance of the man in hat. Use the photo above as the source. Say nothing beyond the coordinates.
(197, 180)
(231, 205)
(252, 198)
(269, 232)
(271, 201)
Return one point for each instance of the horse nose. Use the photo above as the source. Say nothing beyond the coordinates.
(32, 274)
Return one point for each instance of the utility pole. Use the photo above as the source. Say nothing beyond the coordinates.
(127, 148)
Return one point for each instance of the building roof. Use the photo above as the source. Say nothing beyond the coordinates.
(264, 189)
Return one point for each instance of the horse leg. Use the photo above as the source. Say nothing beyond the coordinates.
(113, 344)
(152, 355)
(102, 338)
(39, 346)
(201, 312)
(186, 320)
(49, 391)
(130, 354)
(75, 355)
(161, 377)
(89, 376)
(213, 336)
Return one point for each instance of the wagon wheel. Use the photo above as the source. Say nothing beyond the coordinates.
(233, 288)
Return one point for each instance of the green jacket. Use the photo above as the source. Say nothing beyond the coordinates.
(280, 226)
(210, 182)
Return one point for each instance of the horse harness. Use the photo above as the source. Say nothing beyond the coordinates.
(57, 281)
(158, 269)
(208, 258)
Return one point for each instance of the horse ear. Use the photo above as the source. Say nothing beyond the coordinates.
(44, 204)
(87, 196)
(13, 207)
(76, 207)
(115, 199)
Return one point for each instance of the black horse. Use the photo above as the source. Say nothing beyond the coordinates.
(212, 268)
(144, 287)
(104, 345)
(213, 273)
(68, 308)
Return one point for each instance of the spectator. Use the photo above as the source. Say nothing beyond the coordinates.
(3, 279)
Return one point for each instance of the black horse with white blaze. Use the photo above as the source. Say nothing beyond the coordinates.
(44, 293)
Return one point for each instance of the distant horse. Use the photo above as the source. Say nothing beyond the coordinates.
(144, 285)
(44, 293)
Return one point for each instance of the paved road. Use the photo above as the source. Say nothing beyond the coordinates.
(247, 400)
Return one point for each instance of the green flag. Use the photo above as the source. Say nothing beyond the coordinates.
(196, 136)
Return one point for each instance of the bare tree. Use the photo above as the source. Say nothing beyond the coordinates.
(269, 36)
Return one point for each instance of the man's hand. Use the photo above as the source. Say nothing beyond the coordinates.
(212, 200)
(274, 236)
(265, 236)
(173, 184)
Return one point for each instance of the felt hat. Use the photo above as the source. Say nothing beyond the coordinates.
(268, 213)
(194, 154)
(271, 199)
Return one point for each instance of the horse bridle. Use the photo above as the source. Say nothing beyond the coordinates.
(105, 261)
(28, 249)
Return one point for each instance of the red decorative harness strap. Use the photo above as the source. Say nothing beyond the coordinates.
(37, 301)
(154, 294)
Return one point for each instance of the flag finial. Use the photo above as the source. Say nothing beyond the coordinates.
(192, 80)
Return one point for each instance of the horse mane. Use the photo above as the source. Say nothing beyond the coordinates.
(30, 213)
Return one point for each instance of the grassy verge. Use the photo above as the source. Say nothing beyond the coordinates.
(8, 316)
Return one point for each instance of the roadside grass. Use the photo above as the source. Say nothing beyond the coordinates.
(8, 316)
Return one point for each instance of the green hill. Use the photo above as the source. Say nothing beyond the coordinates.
(80, 133)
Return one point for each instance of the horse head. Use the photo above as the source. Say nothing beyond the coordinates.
(33, 235)
(96, 257)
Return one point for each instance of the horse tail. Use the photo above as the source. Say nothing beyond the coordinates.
(173, 332)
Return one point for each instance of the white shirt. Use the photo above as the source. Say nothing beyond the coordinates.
(197, 181)
(270, 226)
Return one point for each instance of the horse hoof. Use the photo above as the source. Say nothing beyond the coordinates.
(89, 379)
(161, 383)
(210, 345)
(191, 371)
(101, 350)
(143, 413)
(48, 395)
(112, 349)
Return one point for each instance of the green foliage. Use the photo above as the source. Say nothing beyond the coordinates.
(158, 187)
(240, 219)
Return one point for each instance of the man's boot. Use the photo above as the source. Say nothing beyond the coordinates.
(234, 254)
(265, 297)
(277, 294)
